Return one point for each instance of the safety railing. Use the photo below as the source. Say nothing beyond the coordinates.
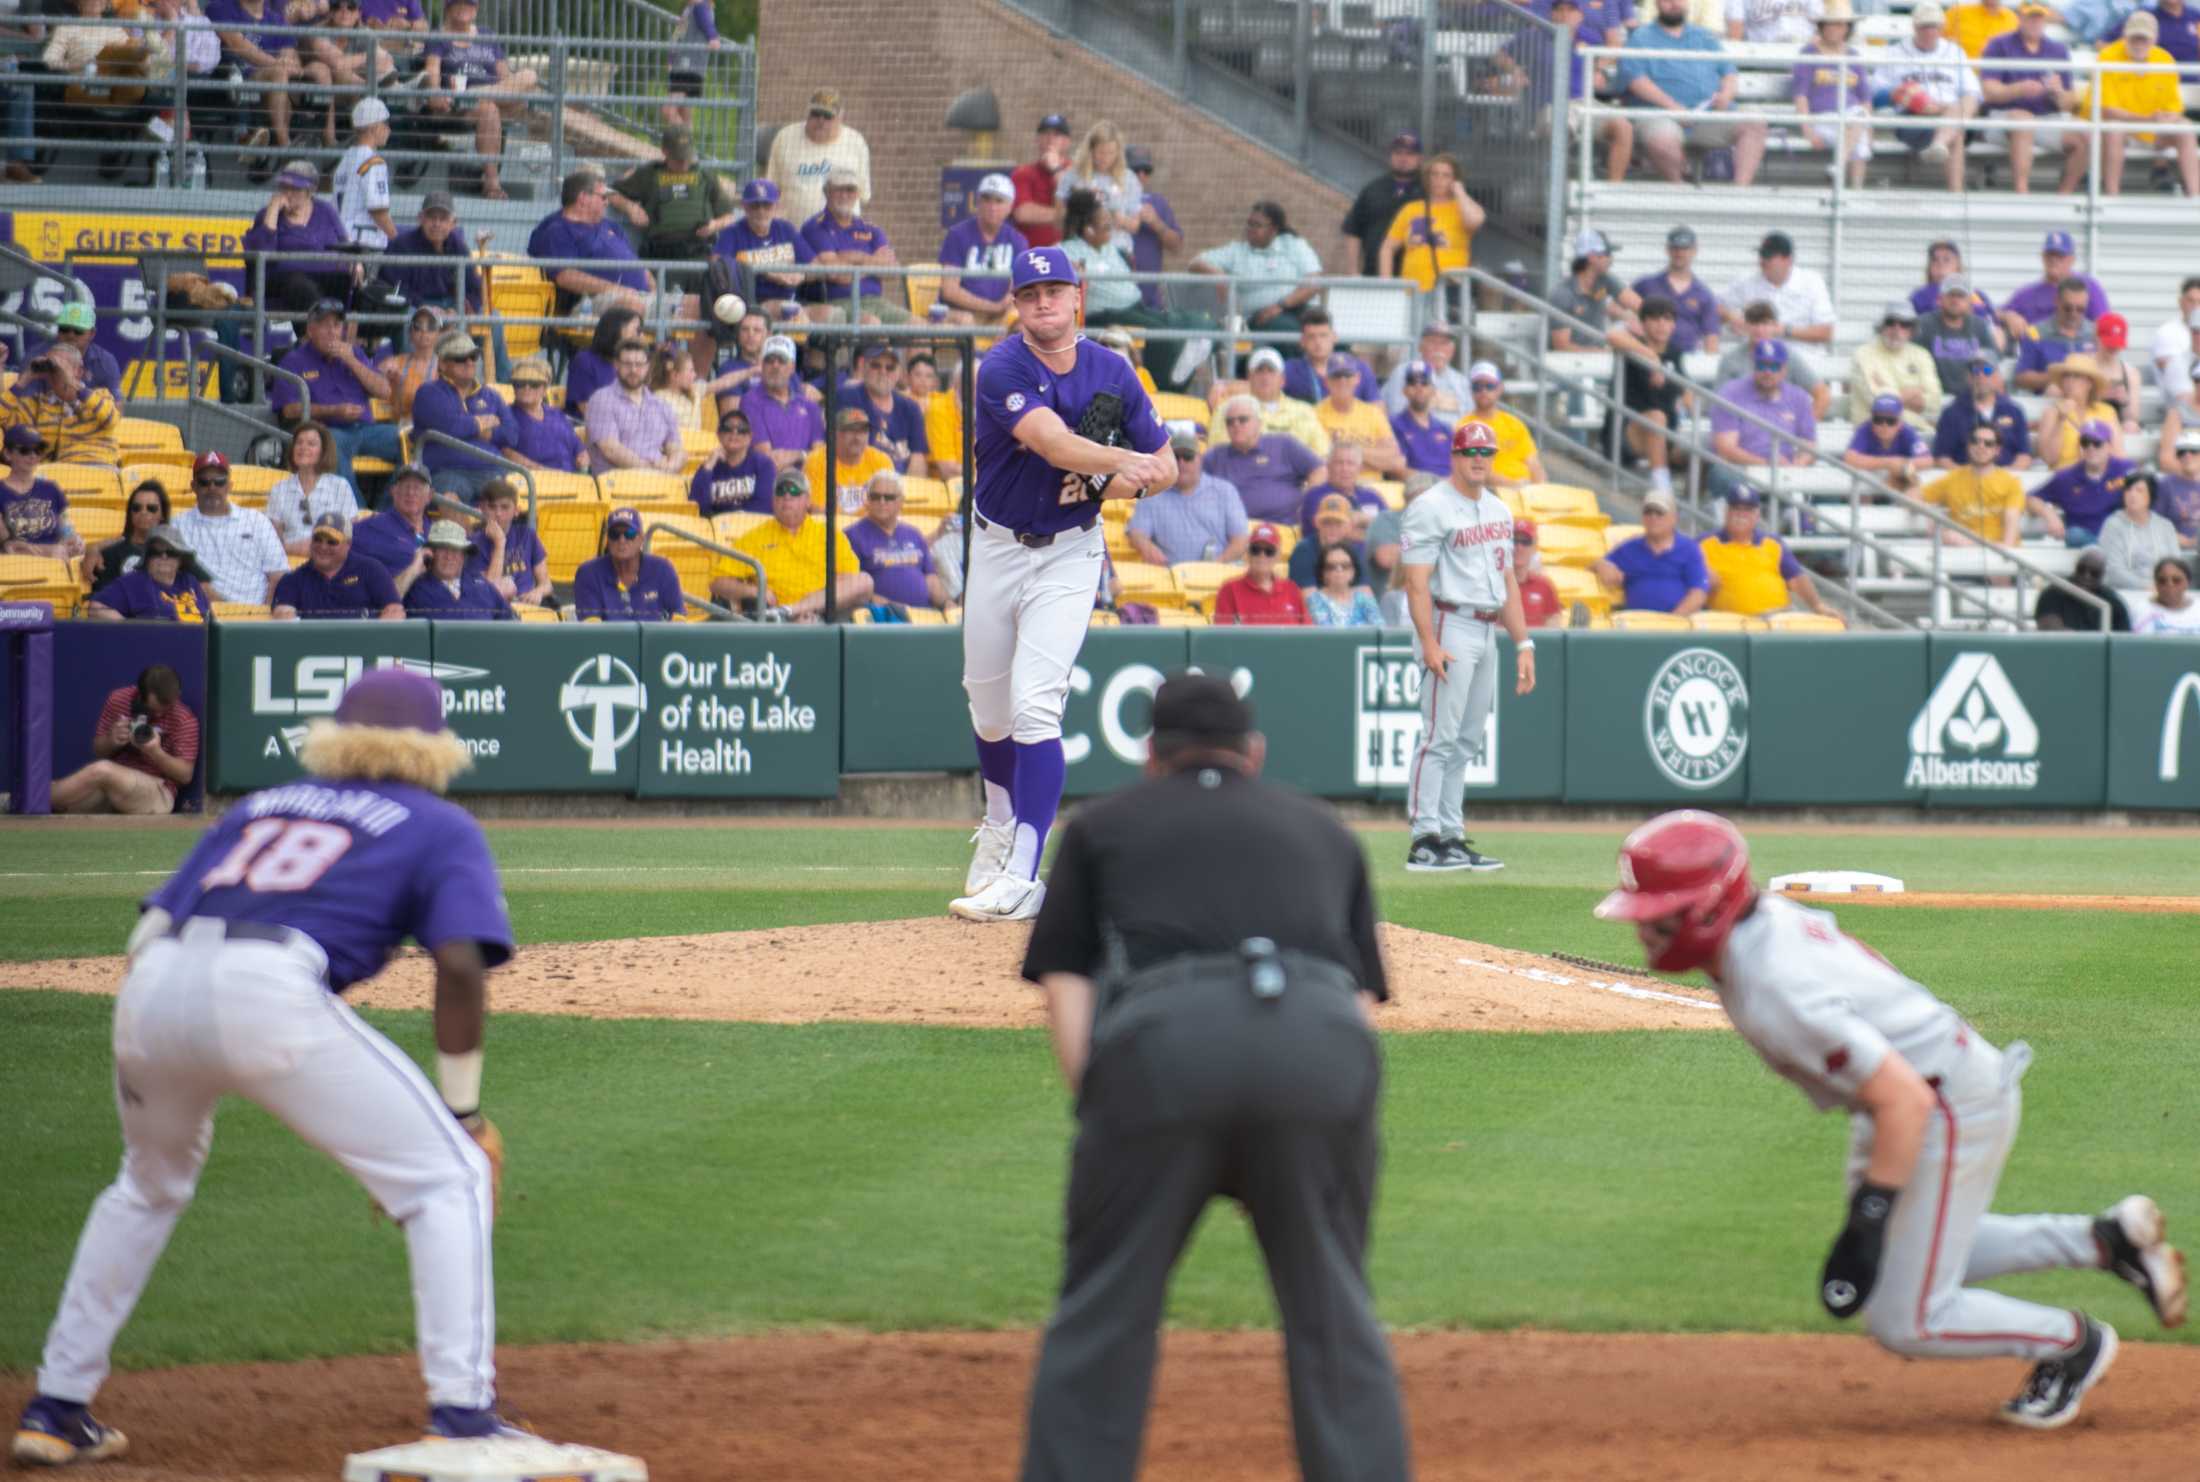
(652, 529)
(511, 467)
(1788, 486)
(260, 369)
(1863, 85)
(155, 113)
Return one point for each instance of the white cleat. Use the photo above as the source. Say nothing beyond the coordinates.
(1005, 899)
(994, 841)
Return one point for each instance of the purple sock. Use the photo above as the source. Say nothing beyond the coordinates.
(1038, 793)
(997, 770)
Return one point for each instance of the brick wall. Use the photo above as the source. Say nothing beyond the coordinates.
(898, 66)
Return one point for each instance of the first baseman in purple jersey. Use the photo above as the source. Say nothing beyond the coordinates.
(1061, 424)
(235, 972)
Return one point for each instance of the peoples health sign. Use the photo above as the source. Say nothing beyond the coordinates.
(1387, 722)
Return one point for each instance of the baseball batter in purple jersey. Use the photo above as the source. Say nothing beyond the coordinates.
(1061, 425)
(297, 893)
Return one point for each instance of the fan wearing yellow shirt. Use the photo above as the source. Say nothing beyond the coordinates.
(1752, 573)
(1517, 460)
(1983, 498)
(1972, 26)
(1433, 235)
(2139, 97)
(856, 461)
(791, 548)
(943, 420)
(1278, 412)
(1347, 419)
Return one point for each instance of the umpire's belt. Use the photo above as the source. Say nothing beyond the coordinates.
(1300, 969)
(1479, 614)
(1025, 537)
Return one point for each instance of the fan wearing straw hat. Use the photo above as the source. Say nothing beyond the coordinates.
(2078, 388)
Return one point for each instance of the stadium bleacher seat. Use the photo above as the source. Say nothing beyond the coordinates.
(249, 484)
(1154, 585)
(1564, 504)
(141, 435)
(1804, 622)
(241, 612)
(1574, 584)
(96, 523)
(927, 497)
(1179, 617)
(1725, 622)
(83, 480)
(631, 485)
(731, 527)
(1568, 545)
(571, 533)
(36, 571)
(581, 487)
(1649, 622)
(1200, 580)
(530, 612)
(1171, 406)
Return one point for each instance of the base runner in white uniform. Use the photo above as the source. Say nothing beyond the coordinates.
(1934, 1111)
(1460, 585)
(1061, 424)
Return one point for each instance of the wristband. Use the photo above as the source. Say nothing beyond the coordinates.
(1525, 645)
(459, 1077)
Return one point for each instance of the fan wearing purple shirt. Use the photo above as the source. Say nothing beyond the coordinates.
(1696, 321)
(1768, 396)
(1157, 234)
(897, 423)
(2030, 95)
(784, 421)
(2035, 302)
(737, 479)
(577, 230)
(978, 250)
(507, 553)
(624, 585)
(1061, 424)
(341, 387)
(1889, 446)
(542, 436)
(335, 583)
(263, 56)
(296, 220)
(469, 71)
(1268, 469)
(1343, 478)
(760, 242)
(841, 238)
(1424, 440)
(2075, 501)
(892, 554)
(452, 588)
(457, 405)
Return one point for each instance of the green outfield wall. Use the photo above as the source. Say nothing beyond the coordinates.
(723, 710)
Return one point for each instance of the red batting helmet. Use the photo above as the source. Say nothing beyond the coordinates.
(1473, 435)
(1689, 865)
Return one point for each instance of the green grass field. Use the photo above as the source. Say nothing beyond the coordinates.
(697, 1179)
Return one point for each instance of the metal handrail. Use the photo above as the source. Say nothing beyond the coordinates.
(763, 589)
(1859, 483)
(193, 347)
(445, 440)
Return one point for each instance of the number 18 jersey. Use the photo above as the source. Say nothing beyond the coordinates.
(357, 866)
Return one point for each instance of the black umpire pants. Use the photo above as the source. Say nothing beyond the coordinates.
(1196, 1088)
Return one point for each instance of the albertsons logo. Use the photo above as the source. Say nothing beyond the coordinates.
(1974, 731)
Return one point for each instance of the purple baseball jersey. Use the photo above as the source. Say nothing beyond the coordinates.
(722, 488)
(897, 563)
(475, 58)
(1016, 487)
(965, 249)
(357, 866)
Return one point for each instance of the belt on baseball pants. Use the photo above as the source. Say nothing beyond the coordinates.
(1479, 614)
(1025, 537)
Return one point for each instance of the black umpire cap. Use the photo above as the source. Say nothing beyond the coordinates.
(1195, 708)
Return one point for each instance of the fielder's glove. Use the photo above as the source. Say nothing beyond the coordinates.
(1852, 1266)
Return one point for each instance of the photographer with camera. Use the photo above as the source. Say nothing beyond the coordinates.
(147, 745)
(74, 419)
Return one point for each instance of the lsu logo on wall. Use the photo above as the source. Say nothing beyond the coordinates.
(1974, 731)
(1387, 722)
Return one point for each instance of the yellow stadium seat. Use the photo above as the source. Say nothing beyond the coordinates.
(240, 612)
(692, 561)
(1171, 406)
(65, 598)
(700, 443)
(40, 571)
(1200, 580)
(1178, 617)
(1120, 548)
(517, 292)
(1568, 545)
(860, 615)
(1392, 490)
(1616, 536)
(1104, 619)
(927, 526)
(534, 612)
(928, 497)
(97, 523)
(652, 510)
(924, 290)
(170, 462)
(74, 479)
(1287, 537)
(927, 617)
(1155, 585)
(732, 527)
(1725, 622)
(1804, 622)
(1564, 504)
(566, 486)
(1649, 622)
(249, 481)
(633, 485)
(169, 477)
(144, 435)
(572, 532)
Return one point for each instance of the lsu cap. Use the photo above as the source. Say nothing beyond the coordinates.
(1041, 265)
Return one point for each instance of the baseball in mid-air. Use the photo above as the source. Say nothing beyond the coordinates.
(729, 307)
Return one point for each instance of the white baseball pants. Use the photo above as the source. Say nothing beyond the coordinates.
(1453, 712)
(1941, 1237)
(201, 1017)
(1025, 613)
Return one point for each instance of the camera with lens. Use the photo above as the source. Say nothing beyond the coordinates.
(142, 731)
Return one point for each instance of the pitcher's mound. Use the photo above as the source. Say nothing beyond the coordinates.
(946, 972)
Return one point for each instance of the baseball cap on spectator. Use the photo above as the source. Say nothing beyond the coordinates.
(1054, 123)
(457, 345)
(1985, 365)
(843, 177)
(2114, 331)
(1438, 329)
(327, 308)
(1957, 284)
(1333, 507)
(331, 520)
(1886, 406)
(876, 348)
(826, 101)
(450, 535)
(1138, 158)
(677, 141)
(1184, 442)
(1769, 354)
(1928, 14)
(2188, 441)
(1485, 373)
(1524, 532)
(1341, 369)
(1592, 243)
(1264, 534)
(1265, 358)
(778, 345)
(410, 471)
(848, 417)
(627, 520)
(532, 371)
(1041, 265)
(438, 203)
(1406, 139)
(169, 536)
(447, 4)
(207, 462)
(368, 112)
(1418, 374)
(1681, 236)
(998, 186)
(2096, 431)
(1658, 499)
(1780, 244)
(2037, 7)
(1473, 435)
(1741, 496)
(2142, 21)
(2062, 244)
(760, 192)
(1898, 311)
(25, 437)
(298, 175)
(76, 314)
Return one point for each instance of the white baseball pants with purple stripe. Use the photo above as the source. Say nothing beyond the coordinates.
(1025, 614)
(201, 1017)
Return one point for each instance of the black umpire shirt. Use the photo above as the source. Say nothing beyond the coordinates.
(1198, 861)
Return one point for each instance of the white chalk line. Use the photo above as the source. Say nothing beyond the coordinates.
(1625, 990)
